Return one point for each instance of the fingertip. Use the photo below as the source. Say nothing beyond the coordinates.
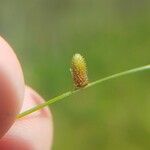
(11, 86)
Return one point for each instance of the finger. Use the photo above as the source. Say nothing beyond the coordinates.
(11, 86)
(33, 132)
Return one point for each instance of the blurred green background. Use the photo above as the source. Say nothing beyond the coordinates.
(113, 35)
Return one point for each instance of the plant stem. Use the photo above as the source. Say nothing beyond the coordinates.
(67, 94)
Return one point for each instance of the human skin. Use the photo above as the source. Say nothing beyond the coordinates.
(33, 132)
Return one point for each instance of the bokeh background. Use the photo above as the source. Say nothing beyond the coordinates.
(113, 35)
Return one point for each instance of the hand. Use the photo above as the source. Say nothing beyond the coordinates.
(33, 132)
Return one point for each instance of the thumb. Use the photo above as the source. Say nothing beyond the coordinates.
(11, 87)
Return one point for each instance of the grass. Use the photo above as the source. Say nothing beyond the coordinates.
(67, 94)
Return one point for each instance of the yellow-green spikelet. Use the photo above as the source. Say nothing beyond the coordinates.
(79, 71)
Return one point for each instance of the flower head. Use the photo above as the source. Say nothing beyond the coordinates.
(79, 71)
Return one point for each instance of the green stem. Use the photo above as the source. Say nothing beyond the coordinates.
(67, 94)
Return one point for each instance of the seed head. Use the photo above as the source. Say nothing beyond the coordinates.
(79, 71)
